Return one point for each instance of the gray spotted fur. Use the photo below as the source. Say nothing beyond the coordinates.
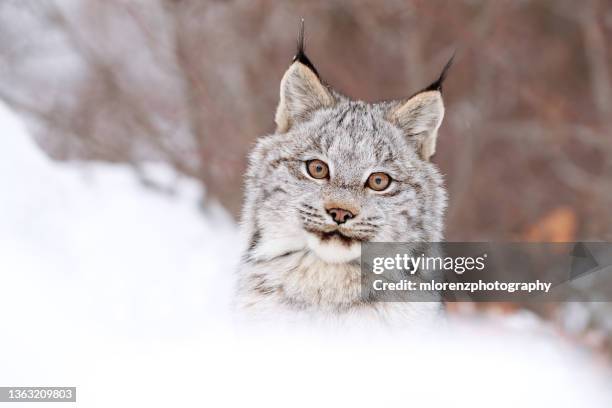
(279, 271)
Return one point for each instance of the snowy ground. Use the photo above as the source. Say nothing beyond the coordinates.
(124, 291)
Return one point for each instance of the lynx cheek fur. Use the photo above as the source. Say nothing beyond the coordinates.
(336, 173)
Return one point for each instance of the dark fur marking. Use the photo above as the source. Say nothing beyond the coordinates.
(374, 126)
(421, 225)
(418, 188)
(259, 284)
(267, 194)
(266, 260)
(316, 144)
(392, 193)
(295, 170)
(326, 236)
(300, 56)
(437, 84)
(255, 238)
(342, 116)
(366, 224)
(306, 213)
(277, 162)
(389, 157)
(277, 190)
(373, 218)
(353, 108)
(313, 222)
(262, 289)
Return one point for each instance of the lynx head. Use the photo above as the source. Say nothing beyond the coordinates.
(339, 172)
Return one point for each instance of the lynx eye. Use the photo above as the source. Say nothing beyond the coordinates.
(378, 181)
(317, 169)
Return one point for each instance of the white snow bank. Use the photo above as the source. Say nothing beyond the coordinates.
(123, 292)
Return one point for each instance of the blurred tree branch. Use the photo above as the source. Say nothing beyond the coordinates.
(193, 83)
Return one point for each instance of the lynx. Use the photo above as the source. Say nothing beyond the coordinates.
(336, 173)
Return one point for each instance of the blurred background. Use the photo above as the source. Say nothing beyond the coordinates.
(526, 145)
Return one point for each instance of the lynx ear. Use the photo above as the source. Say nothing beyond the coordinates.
(301, 90)
(421, 116)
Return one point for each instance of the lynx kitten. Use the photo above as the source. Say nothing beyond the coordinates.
(336, 173)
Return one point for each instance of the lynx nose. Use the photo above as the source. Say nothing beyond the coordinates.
(340, 215)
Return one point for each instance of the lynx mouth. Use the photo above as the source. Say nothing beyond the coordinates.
(335, 235)
(334, 246)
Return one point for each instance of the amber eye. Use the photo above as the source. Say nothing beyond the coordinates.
(378, 181)
(317, 169)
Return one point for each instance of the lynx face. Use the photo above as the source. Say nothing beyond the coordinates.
(337, 173)
(341, 177)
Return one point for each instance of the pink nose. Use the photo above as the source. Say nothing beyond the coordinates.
(340, 215)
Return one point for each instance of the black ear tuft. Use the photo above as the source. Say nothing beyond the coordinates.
(437, 85)
(300, 56)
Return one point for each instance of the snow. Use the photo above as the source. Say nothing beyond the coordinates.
(124, 292)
